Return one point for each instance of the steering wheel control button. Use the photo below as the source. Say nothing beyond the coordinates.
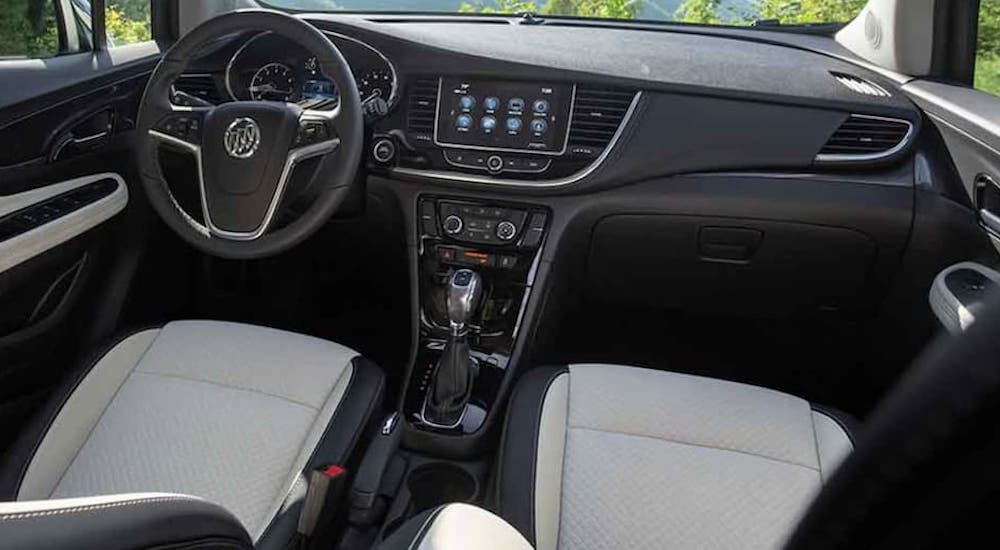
(491, 103)
(185, 127)
(453, 225)
(539, 126)
(384, 150)
(506, 230)
(514, 125)
(311, 132)
(488, 123)
(467, 102)
(494, 164)
(541, 107)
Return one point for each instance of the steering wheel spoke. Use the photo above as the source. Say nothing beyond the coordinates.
(318, 131)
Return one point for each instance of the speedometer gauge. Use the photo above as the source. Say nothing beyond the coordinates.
(376, 83)
(273, 82)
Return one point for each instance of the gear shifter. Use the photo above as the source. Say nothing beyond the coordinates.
(451, 383)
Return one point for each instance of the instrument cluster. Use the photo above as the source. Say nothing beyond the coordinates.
(269, 67)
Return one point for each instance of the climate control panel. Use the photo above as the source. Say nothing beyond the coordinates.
(482, 224)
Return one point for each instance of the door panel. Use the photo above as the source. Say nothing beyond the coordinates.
(72, 217)
(969, 122)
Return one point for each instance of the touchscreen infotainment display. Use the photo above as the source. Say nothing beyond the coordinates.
(504, 116)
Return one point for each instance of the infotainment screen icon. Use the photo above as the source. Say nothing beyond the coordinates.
(510, 116)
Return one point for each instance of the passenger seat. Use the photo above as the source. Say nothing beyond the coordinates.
(606, 456)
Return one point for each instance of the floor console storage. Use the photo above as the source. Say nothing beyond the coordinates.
(476, 269)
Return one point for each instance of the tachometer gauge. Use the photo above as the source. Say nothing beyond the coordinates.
(273, 82)
(375, 83)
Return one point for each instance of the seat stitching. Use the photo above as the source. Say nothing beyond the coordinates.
(106, 405)
(88, 508)
(221, 385)
(668, 440)
(819, 459)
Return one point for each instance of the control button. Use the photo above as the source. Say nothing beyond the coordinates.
(463, 122)
(467, 102)
(384, 150)
(541, 106)
(506, 230)
(539, 126)
(515, 104)
(453, 224)
(491, 103)
(536, 165)
(507, 262)
(428, 220)
(488, 123)
(494, 163)
(514, 125)
(446, 254)
(537, 220)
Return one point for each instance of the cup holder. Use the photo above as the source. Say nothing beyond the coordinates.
(432, 485)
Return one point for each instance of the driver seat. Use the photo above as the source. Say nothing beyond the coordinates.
(236, 415)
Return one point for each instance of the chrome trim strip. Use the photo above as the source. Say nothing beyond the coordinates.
(293, 158)
(561, 182)
(393, 96)
(437, 119)
(903, 144)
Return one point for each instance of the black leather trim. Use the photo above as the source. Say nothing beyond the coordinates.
(17, 458)
(127, 525)
(519, 448)
(342, 443)
(848, 423)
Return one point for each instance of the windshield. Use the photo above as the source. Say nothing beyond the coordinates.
(711, 12)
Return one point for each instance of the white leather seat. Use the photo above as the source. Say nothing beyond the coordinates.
(230, 413)
(602, 457)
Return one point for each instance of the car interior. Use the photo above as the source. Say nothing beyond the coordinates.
(295, 275)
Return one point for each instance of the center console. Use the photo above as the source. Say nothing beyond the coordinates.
(500, 243)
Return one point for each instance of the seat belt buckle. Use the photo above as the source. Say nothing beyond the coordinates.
(326, 485)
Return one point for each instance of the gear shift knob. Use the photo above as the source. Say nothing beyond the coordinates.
(465, 290)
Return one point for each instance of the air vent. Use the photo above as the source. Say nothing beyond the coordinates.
(860, 85)
(421, 109)
(865, 138)
(201, 86)
(597, 114)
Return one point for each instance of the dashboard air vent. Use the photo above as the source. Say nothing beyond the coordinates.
(597, 114)
(421, 109)
(860, 85)
(201, 86)
(863, 137)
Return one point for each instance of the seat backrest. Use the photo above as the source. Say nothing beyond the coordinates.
(925, 472)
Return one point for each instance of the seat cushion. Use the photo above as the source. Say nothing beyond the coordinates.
(602, 456)
(230, 413)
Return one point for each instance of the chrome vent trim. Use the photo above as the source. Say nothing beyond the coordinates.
(867, 138)
(861, 86)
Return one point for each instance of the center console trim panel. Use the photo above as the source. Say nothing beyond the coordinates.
(528, 184)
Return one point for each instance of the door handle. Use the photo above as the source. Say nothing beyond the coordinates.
(988, 203)
(92, 132)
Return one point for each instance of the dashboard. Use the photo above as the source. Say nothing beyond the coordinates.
(269, 67)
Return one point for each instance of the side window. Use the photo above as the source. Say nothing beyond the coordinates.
(128, 21)
(39, 29)
(988, 48)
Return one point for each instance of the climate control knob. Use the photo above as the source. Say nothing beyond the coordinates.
(506, 230)
(453, 224)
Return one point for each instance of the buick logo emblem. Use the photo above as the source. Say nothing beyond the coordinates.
(242, 138)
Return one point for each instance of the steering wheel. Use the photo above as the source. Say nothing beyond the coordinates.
(246, 151)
